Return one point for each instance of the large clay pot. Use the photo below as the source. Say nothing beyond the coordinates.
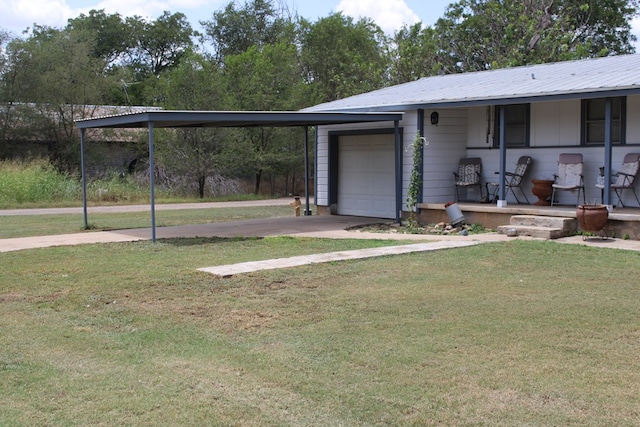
(542, 190)
(592, 217)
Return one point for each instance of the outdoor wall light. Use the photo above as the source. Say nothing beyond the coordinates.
(435, 117)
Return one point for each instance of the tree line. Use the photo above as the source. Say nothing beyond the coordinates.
(260, 55)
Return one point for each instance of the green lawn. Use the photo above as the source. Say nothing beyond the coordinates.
(516, 333)
(40, 225)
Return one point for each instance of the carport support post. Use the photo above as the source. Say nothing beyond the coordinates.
(84, 180)
(608, 107)
(307, 211)
(152, 184)
(502, 202)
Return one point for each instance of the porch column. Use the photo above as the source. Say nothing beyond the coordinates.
(502, 200)
(152, 184)
(608, 115)
(398, 168)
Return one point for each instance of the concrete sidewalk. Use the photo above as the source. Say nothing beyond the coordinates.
(272, 264)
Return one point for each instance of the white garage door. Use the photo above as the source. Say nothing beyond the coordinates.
(366, 177)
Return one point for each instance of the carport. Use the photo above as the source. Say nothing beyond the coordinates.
(180, 119)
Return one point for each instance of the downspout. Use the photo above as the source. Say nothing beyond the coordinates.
(502, 202)
(152, 184)
(608, 108)
(398, 167)
(84, 180)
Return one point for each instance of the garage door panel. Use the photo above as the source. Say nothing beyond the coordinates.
(366, 183)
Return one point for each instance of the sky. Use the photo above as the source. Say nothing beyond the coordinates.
(390, 15)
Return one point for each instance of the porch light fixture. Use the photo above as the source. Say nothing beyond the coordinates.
(435, 117)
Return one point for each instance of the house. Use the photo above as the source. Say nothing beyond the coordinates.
(364, 169)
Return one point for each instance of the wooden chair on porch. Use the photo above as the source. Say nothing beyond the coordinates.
(625, 178)
(469, 175)
(569, 176)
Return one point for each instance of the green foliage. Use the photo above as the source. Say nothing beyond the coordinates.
(34, 182)
(477, 35)
(341, 57)
(415, 181)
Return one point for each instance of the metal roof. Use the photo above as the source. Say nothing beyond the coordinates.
(587, 78)
(168, 118)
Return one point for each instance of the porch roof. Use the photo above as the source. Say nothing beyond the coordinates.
(580, 79)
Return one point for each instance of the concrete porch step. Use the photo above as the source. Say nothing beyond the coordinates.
(545, 227)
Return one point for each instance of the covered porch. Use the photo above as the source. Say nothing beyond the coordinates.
(622, 222)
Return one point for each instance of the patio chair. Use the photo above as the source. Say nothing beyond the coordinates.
(569, 176)
(625, 178)
(511, 180)
(469, 175)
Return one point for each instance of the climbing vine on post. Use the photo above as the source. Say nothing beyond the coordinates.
(413, 192)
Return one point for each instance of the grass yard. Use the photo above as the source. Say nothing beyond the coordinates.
(41, 225)
(515, 333)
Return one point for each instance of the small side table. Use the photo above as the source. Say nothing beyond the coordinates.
(542, 190)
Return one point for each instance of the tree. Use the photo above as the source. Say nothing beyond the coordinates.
(413, 54)
(257, 23)
(194, 84)
(112, 38)
(267, 79)
(341, 57)
(484, 34)
(160, 44)
(52, 78)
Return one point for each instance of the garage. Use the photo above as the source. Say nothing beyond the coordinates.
(366, 176)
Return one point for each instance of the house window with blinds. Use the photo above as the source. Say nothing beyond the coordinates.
(516, 125)
(593, 120)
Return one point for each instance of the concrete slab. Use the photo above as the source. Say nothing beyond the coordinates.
(296, 261)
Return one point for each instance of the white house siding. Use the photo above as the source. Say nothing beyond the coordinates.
(447, 144)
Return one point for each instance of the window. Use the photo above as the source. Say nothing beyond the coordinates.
(593, 122)
(516, 132)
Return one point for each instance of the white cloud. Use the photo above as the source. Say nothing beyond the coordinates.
(17, 15)
(390, 15)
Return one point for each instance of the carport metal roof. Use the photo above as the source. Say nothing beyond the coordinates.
(210, 119)
(178, 119)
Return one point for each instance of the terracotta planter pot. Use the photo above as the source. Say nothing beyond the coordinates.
(542, 190)
(592, 217)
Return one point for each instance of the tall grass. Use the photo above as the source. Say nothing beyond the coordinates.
(39, 183)
(35, 182)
